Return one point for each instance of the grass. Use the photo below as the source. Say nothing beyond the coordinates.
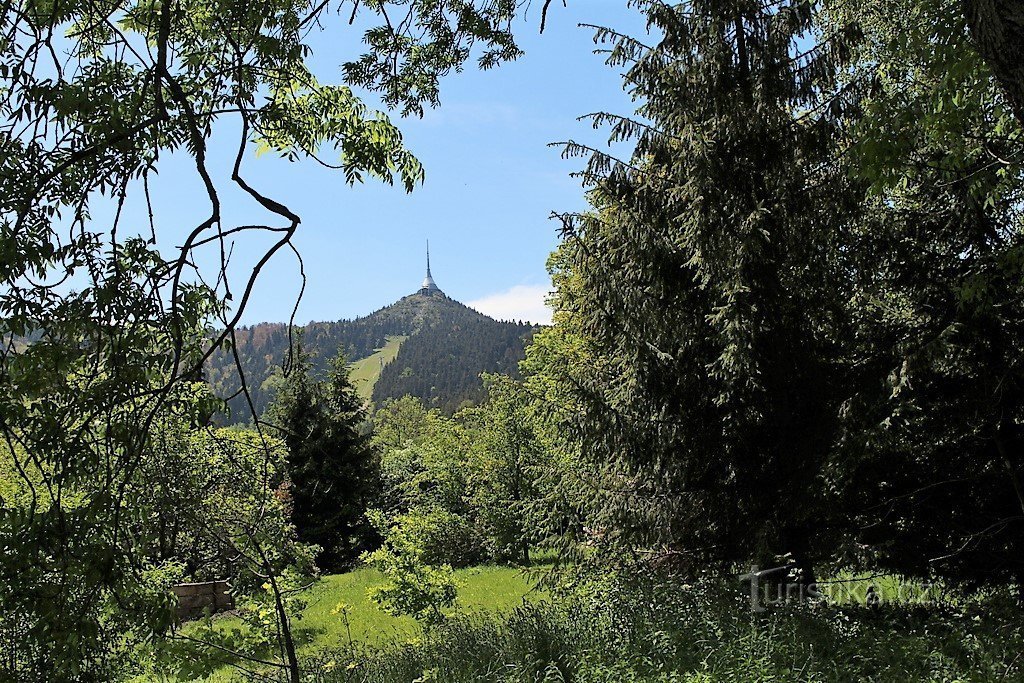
(646, 630)
(364, 373)
(846, 588)
(492, 589)
(651, 629)
(321, 627)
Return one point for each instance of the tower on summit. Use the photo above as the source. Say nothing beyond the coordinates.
(428, 286)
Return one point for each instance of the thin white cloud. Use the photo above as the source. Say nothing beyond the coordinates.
(521, 302)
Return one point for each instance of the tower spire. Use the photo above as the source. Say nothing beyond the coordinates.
(428, 286)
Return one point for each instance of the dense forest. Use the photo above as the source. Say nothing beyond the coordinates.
(441, 364)
(448, 346)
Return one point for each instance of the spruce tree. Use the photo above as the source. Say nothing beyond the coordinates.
(704, 282)
(332, 469)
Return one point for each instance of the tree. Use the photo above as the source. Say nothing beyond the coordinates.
(333, 471)
(75, 576)
(931, 451)
(413, 584)
(930, 454)
(998, 32)
(217, 515)
(425, 481)
(704, 284)
(184, 481)
(506, 464)
(200, 509)
(469, 485)
(743, 364)
(400, 423)
(952, 39)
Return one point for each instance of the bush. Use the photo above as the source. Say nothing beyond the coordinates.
(437, 535)
(412, 585)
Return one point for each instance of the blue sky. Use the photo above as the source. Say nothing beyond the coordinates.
(491, 183)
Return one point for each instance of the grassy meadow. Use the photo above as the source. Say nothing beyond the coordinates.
(339, 614)
(655, 631)
(364, 372)
(673, 632)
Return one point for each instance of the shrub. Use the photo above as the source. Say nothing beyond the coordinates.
(412, 585)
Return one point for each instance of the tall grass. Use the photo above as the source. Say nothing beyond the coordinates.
(673, 632)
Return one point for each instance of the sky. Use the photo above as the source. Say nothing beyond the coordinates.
(492, 180)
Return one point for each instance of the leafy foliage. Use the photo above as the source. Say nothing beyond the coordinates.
(507, 465)
(412, 586)
(222, 519)
(202, 492)
(471, 484)
(115, 324)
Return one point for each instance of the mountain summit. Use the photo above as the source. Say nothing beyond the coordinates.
(425, 344)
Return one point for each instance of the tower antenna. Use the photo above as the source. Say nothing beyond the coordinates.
(428, 285)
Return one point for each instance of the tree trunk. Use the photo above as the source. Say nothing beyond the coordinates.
(294, 675)
(292, 661)
(997, 27)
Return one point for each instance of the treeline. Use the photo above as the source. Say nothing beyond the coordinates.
(449, 345)
(263, 350)
(442, 363)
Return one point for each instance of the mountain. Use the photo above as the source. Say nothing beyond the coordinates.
(425, 344)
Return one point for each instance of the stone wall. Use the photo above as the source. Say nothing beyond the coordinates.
(194, 598)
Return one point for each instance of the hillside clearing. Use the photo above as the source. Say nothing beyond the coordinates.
(365, 372)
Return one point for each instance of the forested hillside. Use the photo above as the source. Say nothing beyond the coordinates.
(440, 362)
